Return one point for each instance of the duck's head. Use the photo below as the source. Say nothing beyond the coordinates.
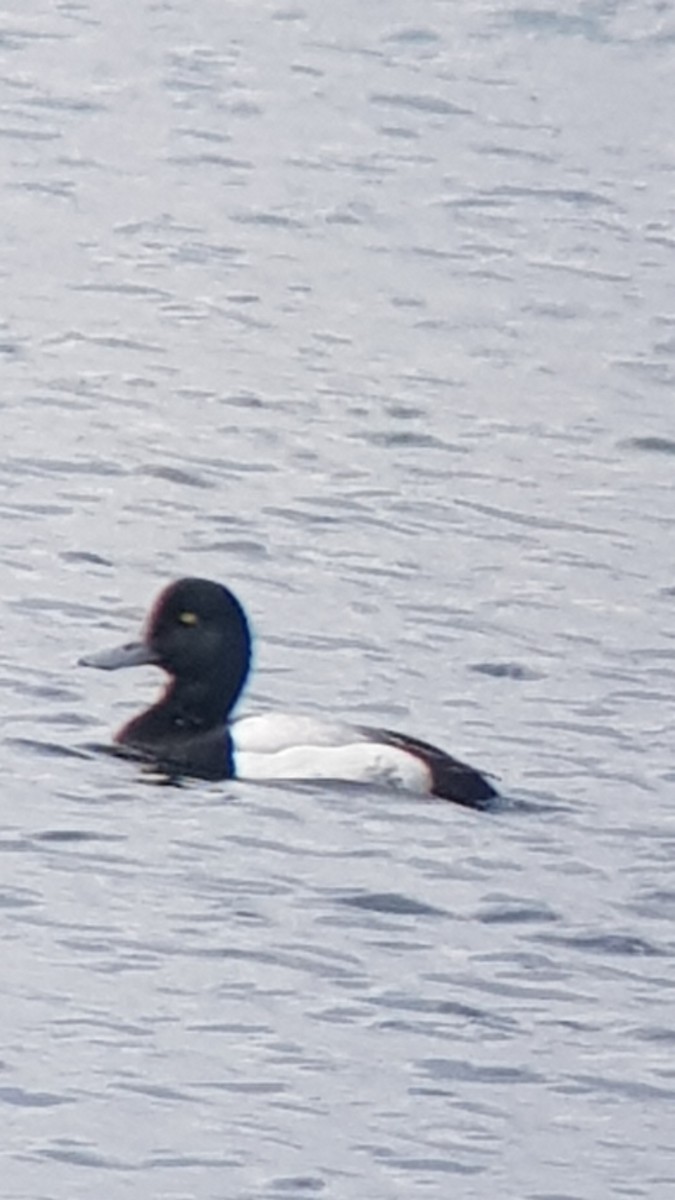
(198, 633)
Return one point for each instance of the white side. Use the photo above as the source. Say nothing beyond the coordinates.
(360, 762)
(287, 746)
(274, 731)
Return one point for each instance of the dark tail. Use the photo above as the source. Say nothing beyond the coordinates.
(453, 780)
(450, 778)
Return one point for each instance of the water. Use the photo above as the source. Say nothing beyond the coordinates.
(369, 314)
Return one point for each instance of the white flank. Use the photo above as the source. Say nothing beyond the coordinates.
(278, 746)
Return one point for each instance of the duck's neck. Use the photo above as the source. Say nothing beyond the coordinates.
(188, 707)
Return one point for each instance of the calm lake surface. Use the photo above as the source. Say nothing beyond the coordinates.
(368, 311)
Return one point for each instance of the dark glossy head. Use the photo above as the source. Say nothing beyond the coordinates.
(196, 631)
(196, 628)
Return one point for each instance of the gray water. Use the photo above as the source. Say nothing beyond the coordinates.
(368, 311)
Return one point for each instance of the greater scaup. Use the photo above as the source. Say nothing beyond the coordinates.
(198, 633)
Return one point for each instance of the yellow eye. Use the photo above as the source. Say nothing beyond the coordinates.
(188, 618)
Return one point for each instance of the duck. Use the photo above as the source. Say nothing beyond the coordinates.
(198, 633)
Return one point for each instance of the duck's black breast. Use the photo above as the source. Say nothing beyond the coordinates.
(203, 754)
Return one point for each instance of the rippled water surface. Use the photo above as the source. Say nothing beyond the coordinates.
(366, 310)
